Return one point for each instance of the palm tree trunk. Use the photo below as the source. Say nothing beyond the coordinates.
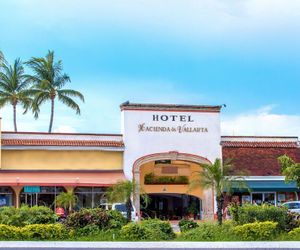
(220, 202)
(15, 117)
(128, 209)
(51, 116)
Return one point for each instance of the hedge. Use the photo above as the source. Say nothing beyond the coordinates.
(34, 232)
(26, 215)
(257, 231)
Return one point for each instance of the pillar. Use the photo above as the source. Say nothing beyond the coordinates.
(208, 205)
(17, 191)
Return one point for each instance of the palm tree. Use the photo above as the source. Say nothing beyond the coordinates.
(14, 88)
(216, 177)
(1, 58)
(49, 81)
(67, 200)
(122, 191)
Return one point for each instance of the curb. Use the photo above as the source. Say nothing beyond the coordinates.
(151, 245)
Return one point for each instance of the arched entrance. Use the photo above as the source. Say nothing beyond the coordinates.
(172, 206)
(167, 175)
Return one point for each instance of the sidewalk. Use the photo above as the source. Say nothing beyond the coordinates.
(149, 245)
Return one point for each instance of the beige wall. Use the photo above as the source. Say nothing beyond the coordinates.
(60, 160)
(168, 188)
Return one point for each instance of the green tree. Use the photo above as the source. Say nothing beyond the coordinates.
(1, 58)
(122, 191)
(67, 200)
(14, 88)
(49, 80)
(216, 176)
(290, 169)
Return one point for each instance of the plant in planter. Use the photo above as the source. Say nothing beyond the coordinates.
(192, 210)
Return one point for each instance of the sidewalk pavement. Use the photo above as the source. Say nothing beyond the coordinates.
(148, 245)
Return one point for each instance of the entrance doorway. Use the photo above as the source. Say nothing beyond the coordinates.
(173, 207)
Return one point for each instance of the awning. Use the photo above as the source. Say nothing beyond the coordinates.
(269, 185)
(60, 178)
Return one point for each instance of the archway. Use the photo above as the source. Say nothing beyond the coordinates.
(172, 157)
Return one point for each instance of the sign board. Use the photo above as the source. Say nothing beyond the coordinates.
(32, 189)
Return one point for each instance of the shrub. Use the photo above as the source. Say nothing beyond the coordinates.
(136, 232)
(162, 228)
(210, 232)
(252, 213)
(294, 234)
(9, 232)
(26, 215)
(97, 217)
(257, 231)
(293, 221)
(116, 219)
(152, 229)
(44, 232)
(186, 225)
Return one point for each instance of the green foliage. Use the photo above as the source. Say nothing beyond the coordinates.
(215, 176)
(116, 219)
(14, 87)
(44, 232)
(67, 200)
(294, 234)
(136, 232)
(266, 230)
(9, 232)
(290, 169)
(162, 228)
(152, 229)
(186, 225)
(293, 221)
(26, 215)
(96, 217)
(152, 179)
(48, 81)
(253, 213)
(33, 232)
(209, 232)
(122, 192)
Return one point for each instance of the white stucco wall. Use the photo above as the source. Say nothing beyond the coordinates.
(141, 143)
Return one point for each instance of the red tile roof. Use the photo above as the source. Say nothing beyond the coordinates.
(74, 143)
(259, 144)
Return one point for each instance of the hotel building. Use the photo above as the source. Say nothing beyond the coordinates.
(160, 146)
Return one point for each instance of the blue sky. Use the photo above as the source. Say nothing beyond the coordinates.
(243, 53)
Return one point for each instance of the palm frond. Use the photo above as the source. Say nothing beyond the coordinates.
(69, 102)
(71, 93)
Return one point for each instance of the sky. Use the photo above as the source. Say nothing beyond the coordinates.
(242, 53)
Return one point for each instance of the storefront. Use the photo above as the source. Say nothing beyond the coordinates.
(160, 147)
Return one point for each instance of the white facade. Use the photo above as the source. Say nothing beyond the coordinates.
(151, 129)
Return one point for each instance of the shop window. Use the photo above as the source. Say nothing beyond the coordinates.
(90, 197)
(6, 196)
(263, 198)
(40, 195)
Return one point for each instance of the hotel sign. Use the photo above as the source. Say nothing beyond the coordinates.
(186, 127)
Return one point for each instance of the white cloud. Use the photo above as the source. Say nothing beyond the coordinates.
(261, 122)
(65, 129)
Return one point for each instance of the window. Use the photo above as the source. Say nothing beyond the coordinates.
(263, 198)
(90, 197)
(6, 196)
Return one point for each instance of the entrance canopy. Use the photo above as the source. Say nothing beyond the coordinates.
(269, 185)
(60, 178)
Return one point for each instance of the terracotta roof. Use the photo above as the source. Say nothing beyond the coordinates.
(259, 144)
(74, 143)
